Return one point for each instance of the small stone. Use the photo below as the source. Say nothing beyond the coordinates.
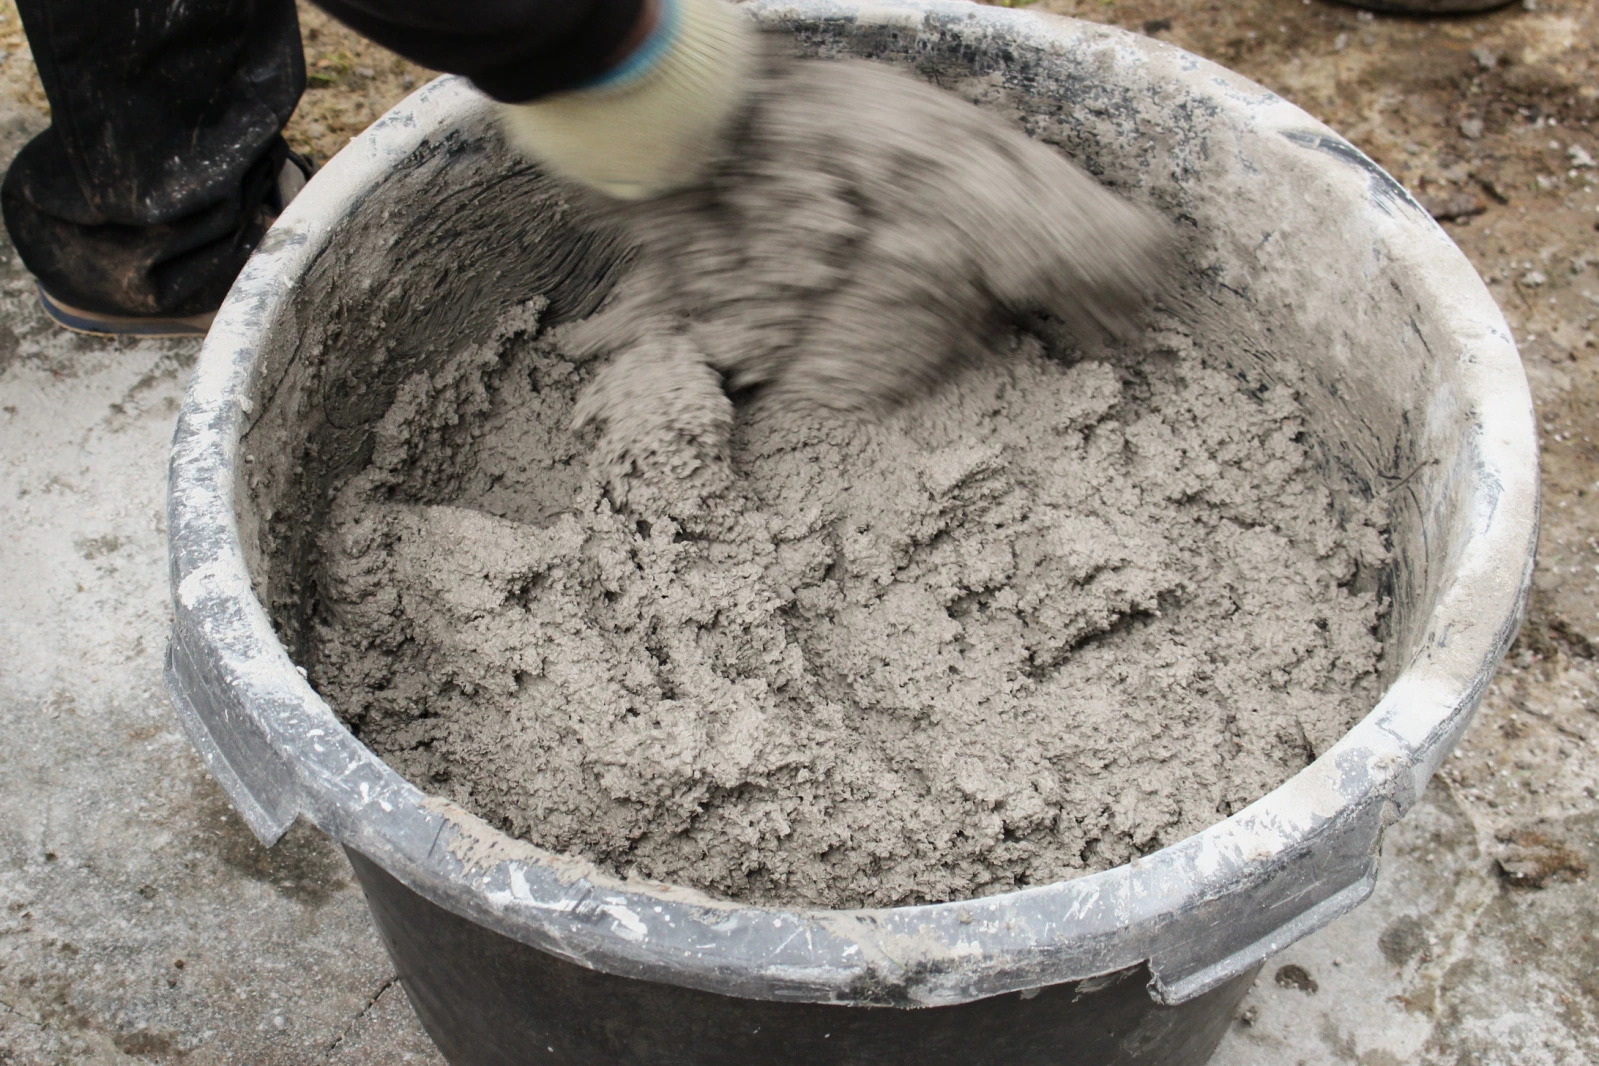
(1534, 279)
(1455, 207)
(1471, 128)
(1486, 59)
(1579, 157)
(1491, 187)
(1248, 1016)
(278, 1021)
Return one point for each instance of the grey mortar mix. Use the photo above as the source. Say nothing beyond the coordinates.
(1051, 617)
(1073, 604)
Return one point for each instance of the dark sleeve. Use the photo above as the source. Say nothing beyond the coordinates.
(514, 50)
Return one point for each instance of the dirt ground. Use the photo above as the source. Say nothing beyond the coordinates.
(1479, 947)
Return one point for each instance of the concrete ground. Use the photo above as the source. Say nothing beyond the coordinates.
(140, 922)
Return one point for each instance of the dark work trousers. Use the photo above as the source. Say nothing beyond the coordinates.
(151, 186)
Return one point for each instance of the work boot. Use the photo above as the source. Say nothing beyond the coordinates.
(296, 172)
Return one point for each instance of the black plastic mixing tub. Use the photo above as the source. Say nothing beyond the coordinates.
(426, 233)
(491, 1001)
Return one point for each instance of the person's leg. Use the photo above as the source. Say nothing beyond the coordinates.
(157, 175)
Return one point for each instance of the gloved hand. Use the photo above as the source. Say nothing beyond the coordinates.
(652, 124)
(863, 238)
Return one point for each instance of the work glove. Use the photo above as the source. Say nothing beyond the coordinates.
(652, 124)
(862, 238)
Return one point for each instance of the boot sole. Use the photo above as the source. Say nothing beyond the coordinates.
(98, 324)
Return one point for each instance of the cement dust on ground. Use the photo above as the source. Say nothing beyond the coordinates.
(117, 857)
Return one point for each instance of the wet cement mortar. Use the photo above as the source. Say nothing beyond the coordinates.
(1052, 616)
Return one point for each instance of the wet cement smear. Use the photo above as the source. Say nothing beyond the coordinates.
(1050, 617)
